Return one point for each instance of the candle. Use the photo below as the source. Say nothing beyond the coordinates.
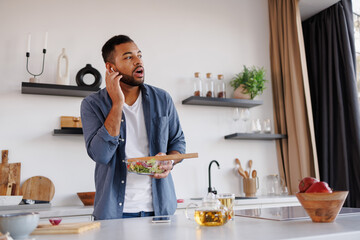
(28, 43)
(46, 39)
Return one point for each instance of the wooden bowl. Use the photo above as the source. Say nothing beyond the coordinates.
(322, 207)
(87, 198)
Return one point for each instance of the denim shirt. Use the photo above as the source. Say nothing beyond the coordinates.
(164, 135)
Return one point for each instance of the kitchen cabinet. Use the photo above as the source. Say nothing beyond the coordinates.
(56, 90)
(235, 103)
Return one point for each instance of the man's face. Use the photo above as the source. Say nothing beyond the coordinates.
(128, 62)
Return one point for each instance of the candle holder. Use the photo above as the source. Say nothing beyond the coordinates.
(34, 79)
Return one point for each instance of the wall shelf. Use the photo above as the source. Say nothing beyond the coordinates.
(68, 131)
(57, 90)
(255, 136)
(222, 102)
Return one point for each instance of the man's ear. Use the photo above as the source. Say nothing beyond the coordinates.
(110, 67)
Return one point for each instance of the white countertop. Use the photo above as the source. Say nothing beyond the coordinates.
(261, 200)
(345, 227)
(70, 211)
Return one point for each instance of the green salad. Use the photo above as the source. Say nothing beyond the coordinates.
(144, 167)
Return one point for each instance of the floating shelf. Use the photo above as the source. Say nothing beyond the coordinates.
(68, 131)
(57, 90)
(222, 102)
(255, 136)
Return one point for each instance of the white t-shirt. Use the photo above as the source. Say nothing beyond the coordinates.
(138, 191)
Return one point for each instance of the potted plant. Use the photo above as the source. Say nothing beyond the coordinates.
(249, 83)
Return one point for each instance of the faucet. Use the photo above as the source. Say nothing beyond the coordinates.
(211, 189)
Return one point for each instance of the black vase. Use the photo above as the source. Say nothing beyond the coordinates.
(88, 69)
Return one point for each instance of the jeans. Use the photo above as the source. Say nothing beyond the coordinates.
(138, 214)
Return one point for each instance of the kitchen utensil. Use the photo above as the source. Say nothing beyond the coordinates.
(322, 207)
(254, 174)
(241, 170)
(19, 225)
(65, 228)
(38, 188)
(242, 173)
(246, 174)
(250, 163)
(165, 157)
(210, 213)
(9, 176)
(87, 198)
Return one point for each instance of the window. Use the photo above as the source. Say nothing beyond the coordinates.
(356, 12)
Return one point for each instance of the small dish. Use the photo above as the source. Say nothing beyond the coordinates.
(55, 221)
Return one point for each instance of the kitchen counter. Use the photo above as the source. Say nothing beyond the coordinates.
(345, 227)
(261, 201)
(83, 213)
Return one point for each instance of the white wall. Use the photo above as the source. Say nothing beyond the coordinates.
(177, 38)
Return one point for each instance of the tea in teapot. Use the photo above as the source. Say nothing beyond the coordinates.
(210, 213)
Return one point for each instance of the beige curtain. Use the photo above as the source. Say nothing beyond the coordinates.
(291, 95)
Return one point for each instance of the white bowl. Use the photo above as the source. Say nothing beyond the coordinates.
(10, 200)
(19, 225)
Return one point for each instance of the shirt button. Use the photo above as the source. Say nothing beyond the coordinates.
(122, 120)
(122, 181)
(120, 204)
(123, 160)
(122, 139)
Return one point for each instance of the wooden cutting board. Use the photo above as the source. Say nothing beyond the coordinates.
(38, 188)
(165, 157)
(65, 228)
(9, 176)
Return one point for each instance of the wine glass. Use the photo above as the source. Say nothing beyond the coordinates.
(236, 118)
(245, 116)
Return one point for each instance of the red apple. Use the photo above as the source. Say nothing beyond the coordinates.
(306, 183)
(319, 187)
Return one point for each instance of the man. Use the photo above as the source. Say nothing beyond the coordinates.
(125, 120)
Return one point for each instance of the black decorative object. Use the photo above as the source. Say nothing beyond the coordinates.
(88, 69)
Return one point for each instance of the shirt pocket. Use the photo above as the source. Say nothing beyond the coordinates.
(160, 133)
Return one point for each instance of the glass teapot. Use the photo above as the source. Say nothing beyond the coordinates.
(210, 213)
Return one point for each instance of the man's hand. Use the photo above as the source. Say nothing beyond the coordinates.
(165, 165)
(113, 88)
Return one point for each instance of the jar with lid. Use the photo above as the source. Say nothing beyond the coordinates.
(209, 86)
(197, 85)
(220, 90)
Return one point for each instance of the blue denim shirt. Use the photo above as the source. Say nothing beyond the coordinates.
(164, 135)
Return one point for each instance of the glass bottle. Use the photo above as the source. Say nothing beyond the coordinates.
(209, 86)
(221, 92)
(197, 85)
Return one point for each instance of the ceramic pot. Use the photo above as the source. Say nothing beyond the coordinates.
(240, 93)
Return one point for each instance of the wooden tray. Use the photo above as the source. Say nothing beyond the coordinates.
(165, 157)
(65, 228)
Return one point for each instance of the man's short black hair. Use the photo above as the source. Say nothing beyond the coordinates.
(109, 46)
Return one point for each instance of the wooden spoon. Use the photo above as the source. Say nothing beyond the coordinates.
(242, 173)
(250, 165)
(246, 174)
(240, 169)
(254, 174)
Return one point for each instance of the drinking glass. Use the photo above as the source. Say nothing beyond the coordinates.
(236, 118)
(245, 116)
(228, 200)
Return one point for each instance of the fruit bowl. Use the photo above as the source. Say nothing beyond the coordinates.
(87, 198)
(322, 207)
